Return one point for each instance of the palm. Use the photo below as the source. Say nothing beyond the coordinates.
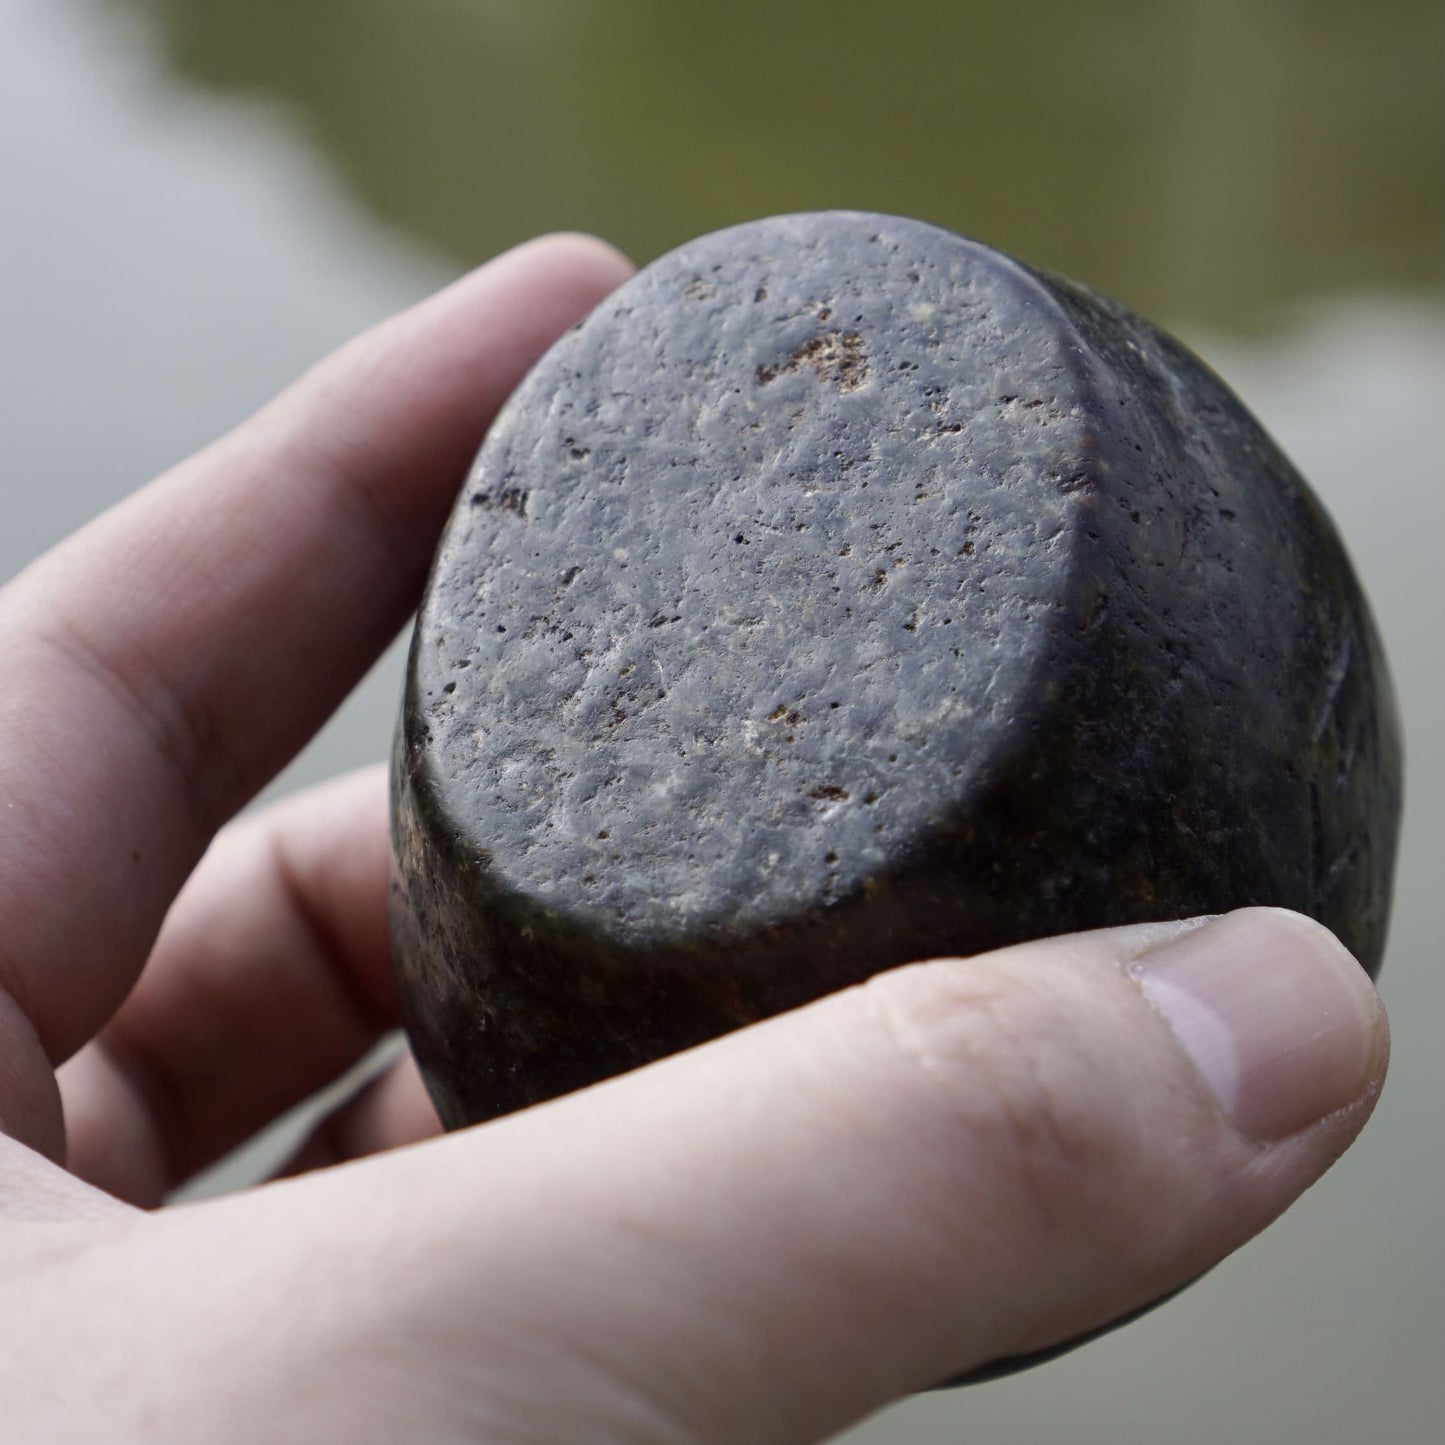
(758, 1241)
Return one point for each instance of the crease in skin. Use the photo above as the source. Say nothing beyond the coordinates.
(33, 1190)
(156, 1105)
(184, 738)
(372, 1016)
(272, 885)
(269, 1242)
(30, 1108)
(188, 678)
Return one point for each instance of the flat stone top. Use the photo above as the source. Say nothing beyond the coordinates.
(755, 580)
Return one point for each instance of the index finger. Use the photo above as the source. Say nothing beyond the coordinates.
(159, 666)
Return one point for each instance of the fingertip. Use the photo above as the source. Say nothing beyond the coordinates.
(584, 253)
(1276, 1015)
(578, 269)
(1330, 952)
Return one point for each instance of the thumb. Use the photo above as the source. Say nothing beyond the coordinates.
(956, 1164)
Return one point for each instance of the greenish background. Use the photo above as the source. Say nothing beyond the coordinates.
(202, 196)
(1204, 160)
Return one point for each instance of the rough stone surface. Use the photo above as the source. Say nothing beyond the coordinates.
(841, 593)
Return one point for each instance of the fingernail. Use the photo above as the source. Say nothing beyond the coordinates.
(1275, 1013)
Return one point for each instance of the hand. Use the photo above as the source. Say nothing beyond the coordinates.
(758, 1241)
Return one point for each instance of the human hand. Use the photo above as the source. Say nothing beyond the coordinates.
(758, 1241)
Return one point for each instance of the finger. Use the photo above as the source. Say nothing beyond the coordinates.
(271, 977)
(392, 1109)
(160, 665)
(773, 1235)
(35, 1190)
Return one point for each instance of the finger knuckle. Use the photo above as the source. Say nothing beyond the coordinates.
(1031, 1105)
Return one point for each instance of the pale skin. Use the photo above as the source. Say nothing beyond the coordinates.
(755, 1243)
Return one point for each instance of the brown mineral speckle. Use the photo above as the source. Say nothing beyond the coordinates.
(932, 605)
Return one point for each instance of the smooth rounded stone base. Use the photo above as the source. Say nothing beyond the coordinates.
(842, 593)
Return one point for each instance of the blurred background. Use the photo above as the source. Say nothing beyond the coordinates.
(198, 198)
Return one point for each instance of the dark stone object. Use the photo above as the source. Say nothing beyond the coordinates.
(842, 593)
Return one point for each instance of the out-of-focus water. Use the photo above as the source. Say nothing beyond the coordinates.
(200, 198)
(1201, 160)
